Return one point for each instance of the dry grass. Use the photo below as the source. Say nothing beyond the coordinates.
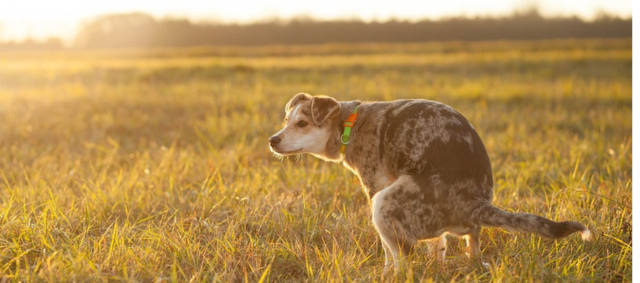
(154, 166)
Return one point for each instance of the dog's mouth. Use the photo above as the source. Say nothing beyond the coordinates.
(285, 152)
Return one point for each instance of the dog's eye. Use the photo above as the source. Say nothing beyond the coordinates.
(302, 124)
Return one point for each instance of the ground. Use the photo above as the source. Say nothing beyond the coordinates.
(130, 165)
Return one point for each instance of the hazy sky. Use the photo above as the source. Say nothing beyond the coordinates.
(39, 19)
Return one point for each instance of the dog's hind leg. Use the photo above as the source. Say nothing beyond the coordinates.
(395, 249)
(441, 249)
(391, 227)
(473, 242)
(388, 255)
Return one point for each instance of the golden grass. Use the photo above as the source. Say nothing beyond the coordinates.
(154, 166)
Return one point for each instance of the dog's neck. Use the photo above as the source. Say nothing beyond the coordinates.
(332, 150)
(346, 108)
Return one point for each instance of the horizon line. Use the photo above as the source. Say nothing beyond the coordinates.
(599, 14)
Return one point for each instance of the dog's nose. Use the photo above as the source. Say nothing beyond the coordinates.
(274, 140)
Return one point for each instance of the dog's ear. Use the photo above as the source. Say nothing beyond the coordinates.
(295, 100)
(323, 108)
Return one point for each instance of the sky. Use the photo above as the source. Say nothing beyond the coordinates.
(40, 19)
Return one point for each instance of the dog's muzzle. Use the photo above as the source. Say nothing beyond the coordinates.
(274, 140)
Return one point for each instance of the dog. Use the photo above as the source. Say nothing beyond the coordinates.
(421, 163)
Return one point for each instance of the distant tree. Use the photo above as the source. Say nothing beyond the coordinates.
(141, 30)
(120, 30)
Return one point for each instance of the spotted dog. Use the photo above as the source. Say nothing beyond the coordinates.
(421, 163)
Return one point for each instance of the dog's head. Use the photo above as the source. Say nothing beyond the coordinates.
(307, 125)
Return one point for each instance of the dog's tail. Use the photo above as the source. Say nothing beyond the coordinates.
(490, 215)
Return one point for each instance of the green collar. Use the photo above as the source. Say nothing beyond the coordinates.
(348, 124)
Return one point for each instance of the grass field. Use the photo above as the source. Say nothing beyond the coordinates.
(154, 166)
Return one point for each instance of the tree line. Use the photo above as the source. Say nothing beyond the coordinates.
(138, 30)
